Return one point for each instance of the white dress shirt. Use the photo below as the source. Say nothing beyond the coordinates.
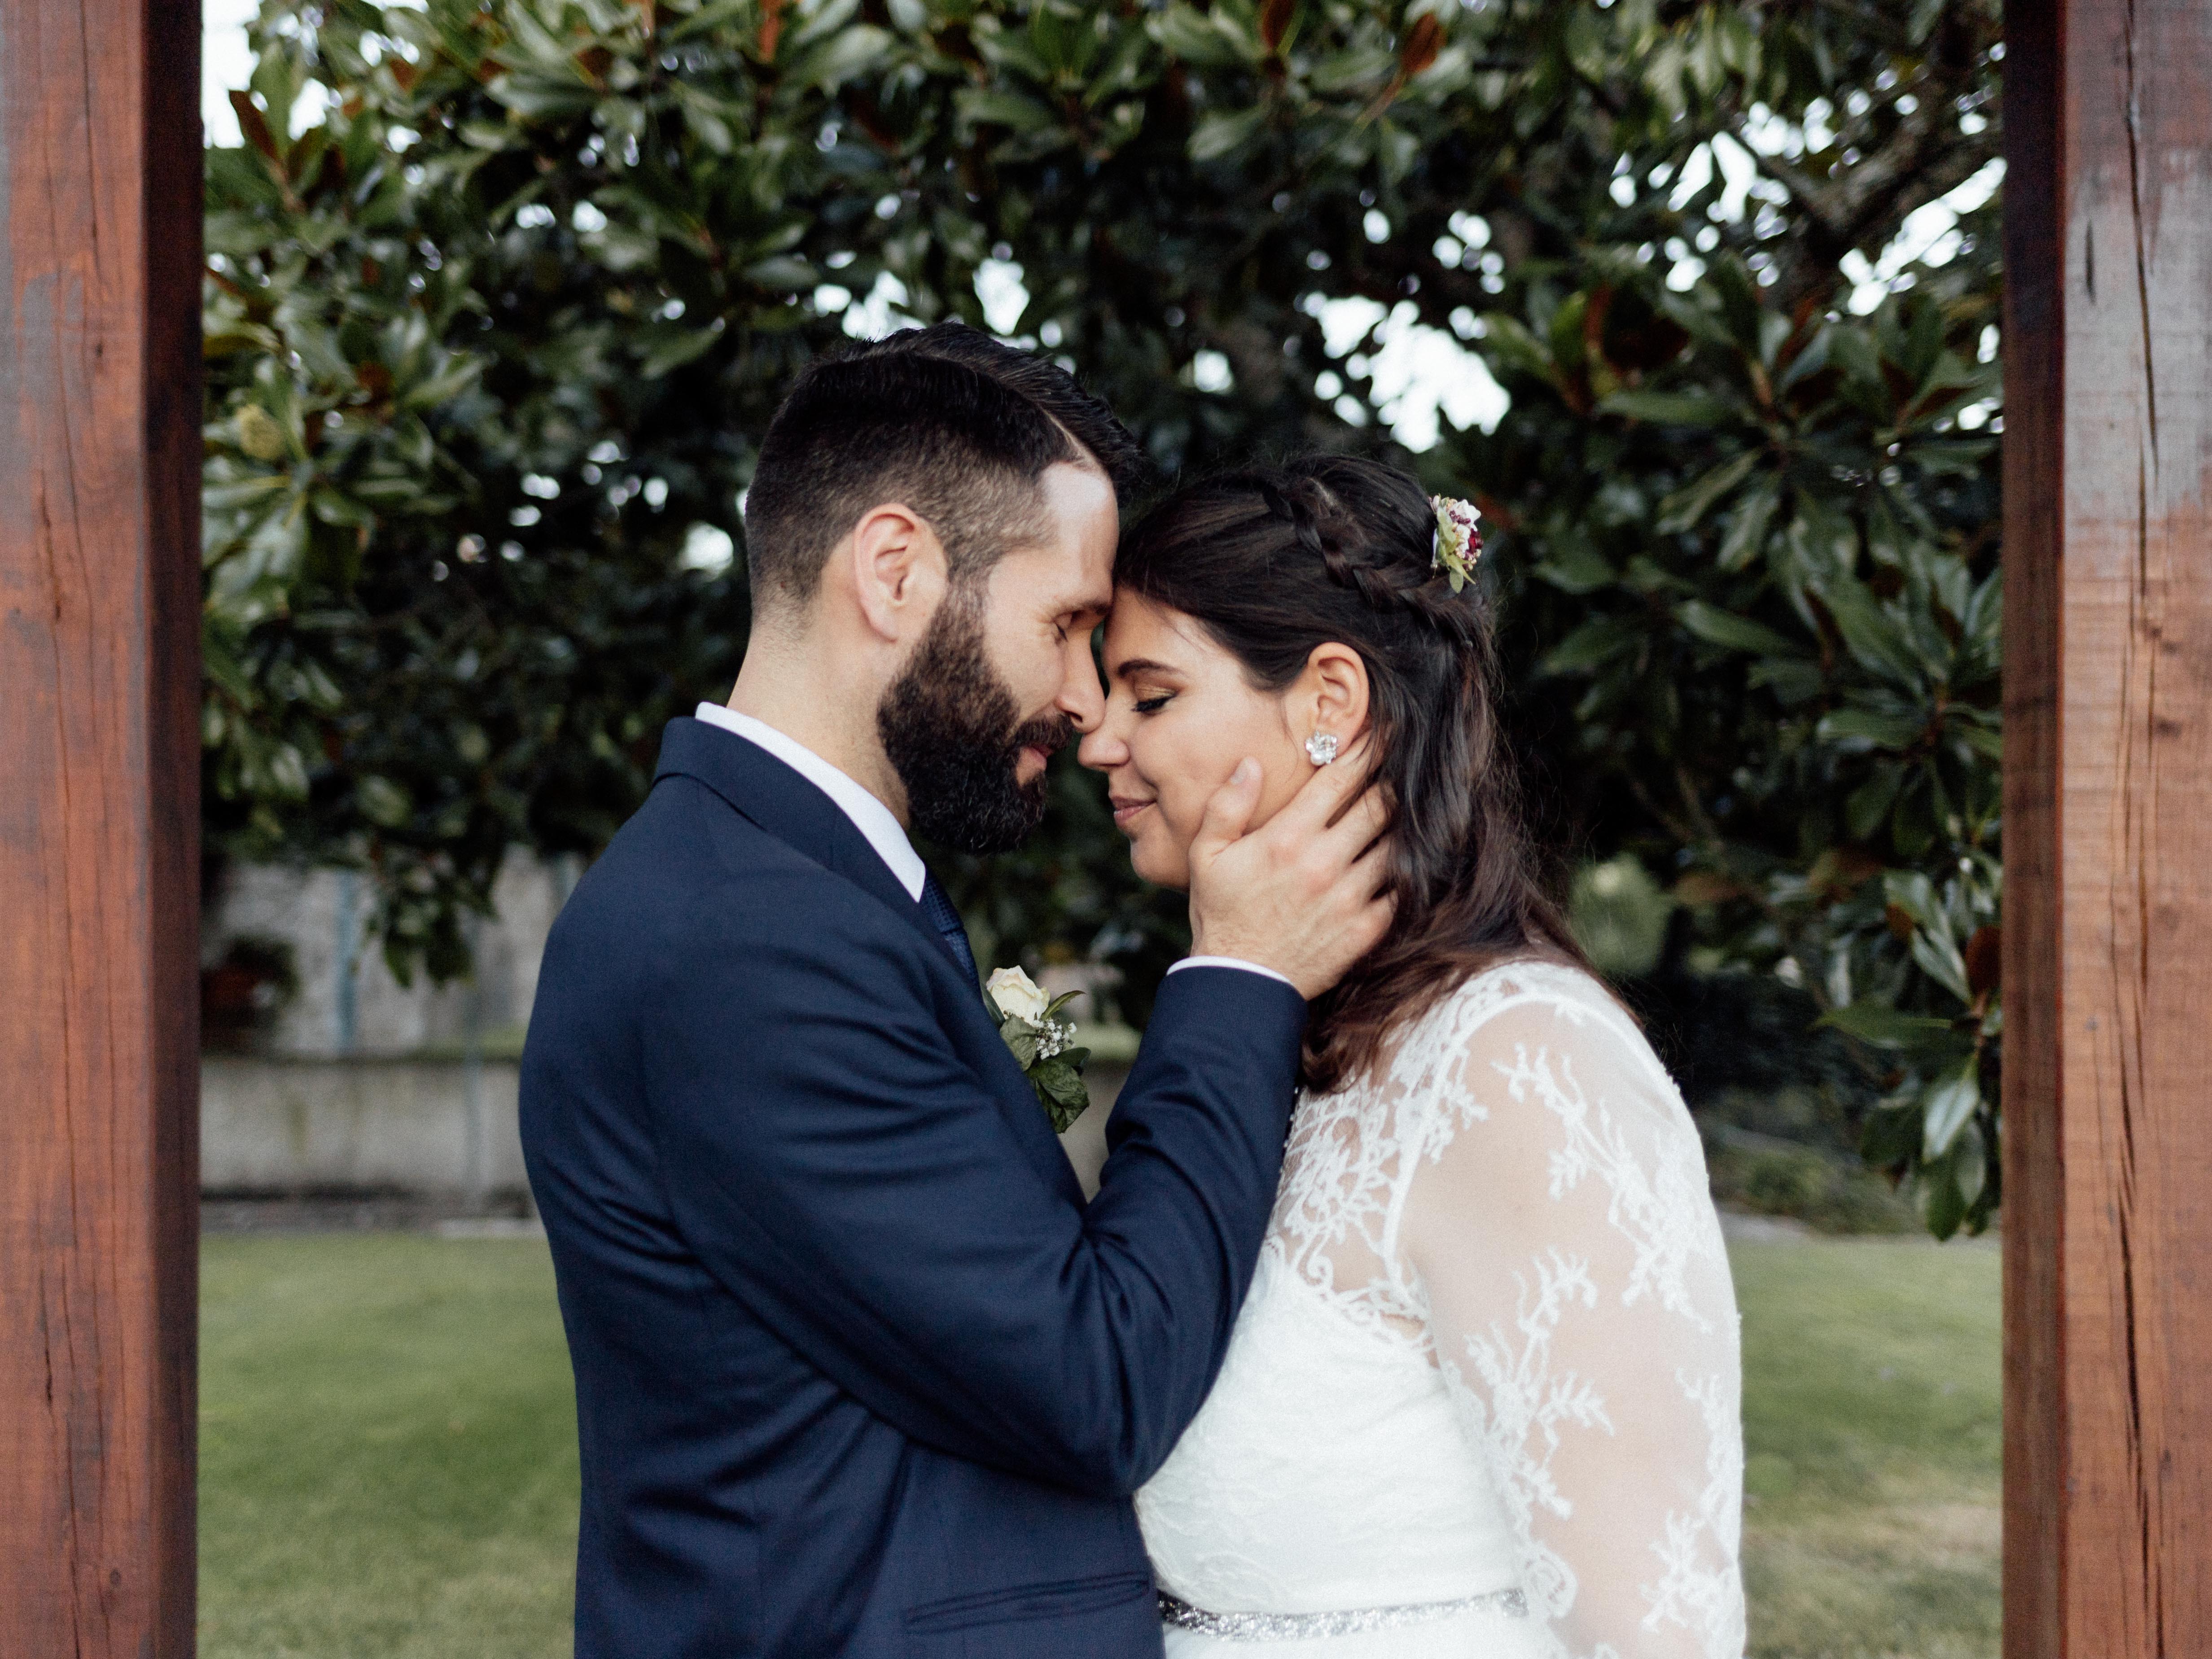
(874, 820)
(870, 816)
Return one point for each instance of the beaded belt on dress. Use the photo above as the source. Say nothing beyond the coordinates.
(1355, 1621)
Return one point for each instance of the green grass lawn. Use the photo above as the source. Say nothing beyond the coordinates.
(1873, 1438)
(387, 1450)
(388, 1465)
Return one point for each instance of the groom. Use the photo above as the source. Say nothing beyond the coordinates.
(857, 1371)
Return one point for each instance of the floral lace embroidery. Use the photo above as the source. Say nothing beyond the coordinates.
(1692, 1592)
(1569, 1068)
(1516, 1408)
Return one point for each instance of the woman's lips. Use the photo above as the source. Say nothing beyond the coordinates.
(1124, 810)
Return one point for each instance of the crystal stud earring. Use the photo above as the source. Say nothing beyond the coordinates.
(1320, 748)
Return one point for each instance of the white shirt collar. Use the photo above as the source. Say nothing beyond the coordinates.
(870, 816)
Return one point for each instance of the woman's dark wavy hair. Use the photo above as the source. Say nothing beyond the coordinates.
(1275, 560)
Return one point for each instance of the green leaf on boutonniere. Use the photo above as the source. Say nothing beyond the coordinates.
(1058, 1084)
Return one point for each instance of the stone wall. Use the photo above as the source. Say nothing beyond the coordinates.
(442, 1129)
(348, 1001)
(284, 1125)
(359, 1086)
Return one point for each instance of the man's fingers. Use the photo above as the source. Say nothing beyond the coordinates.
(1365, 928)
(1228, 809)
(1371, 871)
(1372, 867)
(1354, 911)
(1363, 820)
(1375, 923)
(1354, 781)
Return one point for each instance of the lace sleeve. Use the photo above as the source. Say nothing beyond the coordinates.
(1559, 1231)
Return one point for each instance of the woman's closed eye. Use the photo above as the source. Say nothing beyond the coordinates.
(1152, 705)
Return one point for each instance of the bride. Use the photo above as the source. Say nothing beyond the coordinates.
(1482, 1399)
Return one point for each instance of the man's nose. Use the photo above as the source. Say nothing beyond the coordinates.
(1082, 699)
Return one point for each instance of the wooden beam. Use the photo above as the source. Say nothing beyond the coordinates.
(2108, 830)
(100, 414)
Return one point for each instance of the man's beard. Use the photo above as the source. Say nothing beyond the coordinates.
(952, 732)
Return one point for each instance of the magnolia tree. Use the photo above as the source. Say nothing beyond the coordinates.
(500, 295)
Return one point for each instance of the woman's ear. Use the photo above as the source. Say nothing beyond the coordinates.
(1335, 689)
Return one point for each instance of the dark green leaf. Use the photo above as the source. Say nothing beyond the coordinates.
(1671, 408)
(1719, 627)
(1686, 507)
(984, 106)
(1591, 645)
(676, 347)
(1574, 566)
(1883, 730)
(1746, 531)
(1947, 1106)
(1885, 1027)
(1225, 132)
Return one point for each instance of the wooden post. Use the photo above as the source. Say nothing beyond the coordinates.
(2108, 829)
(100, 414)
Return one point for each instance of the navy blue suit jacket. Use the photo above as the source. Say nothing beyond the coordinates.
(857, 1371)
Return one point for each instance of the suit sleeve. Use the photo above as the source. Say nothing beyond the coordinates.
(843, 1173)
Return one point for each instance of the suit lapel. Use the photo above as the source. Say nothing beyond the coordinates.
(780, 801)
(763, 790)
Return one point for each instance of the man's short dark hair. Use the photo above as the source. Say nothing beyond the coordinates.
(946, 420)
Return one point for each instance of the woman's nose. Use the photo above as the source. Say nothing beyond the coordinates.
(1102, 749)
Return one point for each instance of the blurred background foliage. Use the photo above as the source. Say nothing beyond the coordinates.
(500, 294)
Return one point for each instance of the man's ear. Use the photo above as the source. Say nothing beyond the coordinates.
(1334, 691)
(897, 568)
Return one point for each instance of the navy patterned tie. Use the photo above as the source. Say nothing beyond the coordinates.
(946, 920)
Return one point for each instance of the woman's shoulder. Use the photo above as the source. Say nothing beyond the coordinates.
(1526, 993)
(1538, 1080)
(1530, 1025)
(1535, 981)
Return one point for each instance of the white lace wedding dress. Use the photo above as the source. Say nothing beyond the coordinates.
(1482, 1399)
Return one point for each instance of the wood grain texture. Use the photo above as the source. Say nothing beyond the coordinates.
(99, 768)
(2109, 829)
(2034, 1211)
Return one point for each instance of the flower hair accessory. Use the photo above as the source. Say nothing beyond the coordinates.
(1456, 545)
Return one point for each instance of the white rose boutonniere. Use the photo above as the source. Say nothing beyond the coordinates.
(1040, 1041)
